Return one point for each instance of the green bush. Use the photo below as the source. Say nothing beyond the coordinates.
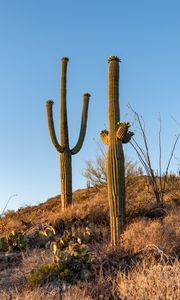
(4, 246)
(14, 241)
(40, 274)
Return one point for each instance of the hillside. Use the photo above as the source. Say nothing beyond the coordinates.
(145, 265)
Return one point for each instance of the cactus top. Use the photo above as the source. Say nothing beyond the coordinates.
(65, 58)
(49, 102)
(87, 94)
(111, 58)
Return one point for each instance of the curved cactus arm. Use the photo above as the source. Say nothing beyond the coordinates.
(80, 141)
(54, 140)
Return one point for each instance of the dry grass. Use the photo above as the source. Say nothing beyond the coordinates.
(163, 233)
(132, 271)
(144, 282)
(89, 203)
(45, 213)
(149, 282)
(38, 293)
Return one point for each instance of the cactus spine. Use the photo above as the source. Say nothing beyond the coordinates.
(115, 156)
(63, 148)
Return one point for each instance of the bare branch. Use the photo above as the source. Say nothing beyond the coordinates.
(158, 183)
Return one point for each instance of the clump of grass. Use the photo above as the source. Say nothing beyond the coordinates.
(156, 281)
(164, 233)
(42, 274)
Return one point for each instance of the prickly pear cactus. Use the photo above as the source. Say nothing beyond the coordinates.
(14, 241)
(71, 253)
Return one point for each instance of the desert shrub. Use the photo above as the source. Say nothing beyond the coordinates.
(160, 233)
(42, 274)
(10, 213)
(132, 168)
(156, 281)
(99, 215)
(172, 221)
(158, 180)
(4, 246)
(95, 171)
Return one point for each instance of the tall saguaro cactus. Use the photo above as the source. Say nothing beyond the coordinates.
(63, 147)
(115, 156)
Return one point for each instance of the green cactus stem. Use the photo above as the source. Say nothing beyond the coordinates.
(115, 156)
(63, 148)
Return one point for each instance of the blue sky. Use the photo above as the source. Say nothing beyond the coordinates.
(34, 35)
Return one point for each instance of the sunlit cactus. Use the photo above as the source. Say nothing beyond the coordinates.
(115, 156)
(63, 147)
(122, 130)
(104, 136)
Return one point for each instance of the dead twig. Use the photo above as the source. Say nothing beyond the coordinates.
(158, 183)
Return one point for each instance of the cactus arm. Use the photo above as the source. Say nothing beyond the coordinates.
(64, 136)
(80, 141)
(54, 140)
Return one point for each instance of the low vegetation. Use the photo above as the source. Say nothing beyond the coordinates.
(49, 254)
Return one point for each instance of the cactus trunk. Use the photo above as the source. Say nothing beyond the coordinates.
(63, 147)
(65, 157)
(115, 156)
(66, 178)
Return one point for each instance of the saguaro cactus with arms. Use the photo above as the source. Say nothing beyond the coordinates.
(63, 147)
(115, 156)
